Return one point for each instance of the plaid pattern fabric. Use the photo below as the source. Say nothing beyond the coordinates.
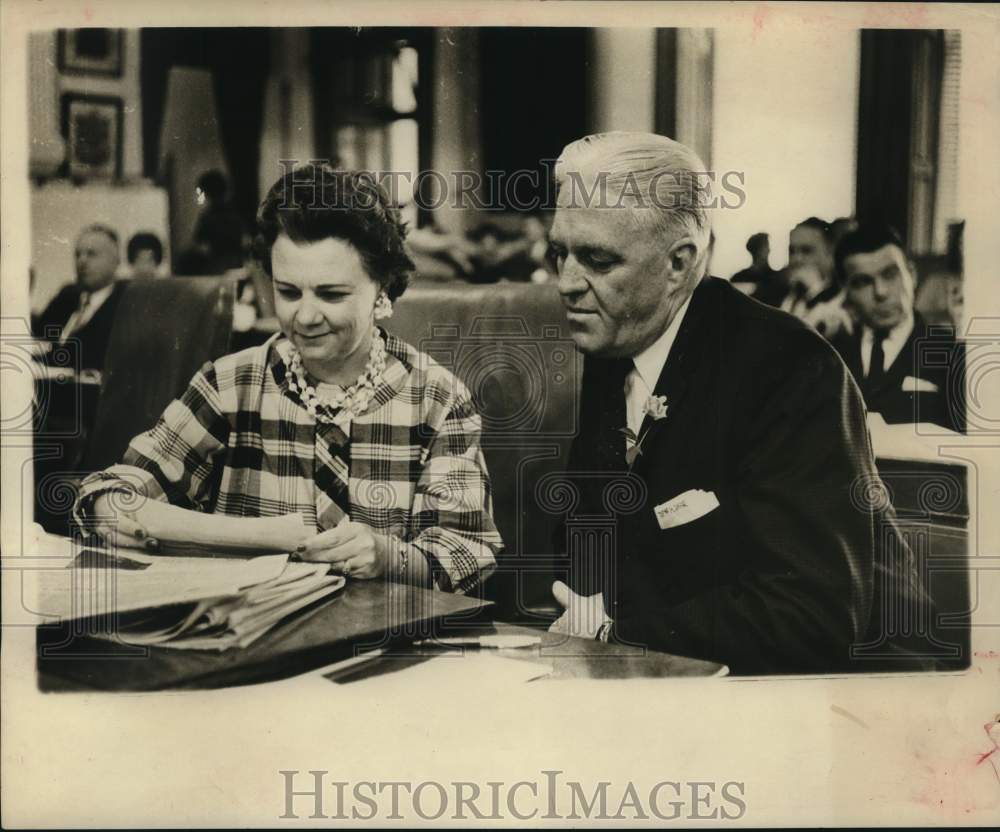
(240, 442)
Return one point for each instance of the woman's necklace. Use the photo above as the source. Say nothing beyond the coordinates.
(345, 403)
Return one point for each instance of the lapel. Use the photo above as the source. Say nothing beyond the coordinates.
(902, 365)
(675, 377)
(609, 409)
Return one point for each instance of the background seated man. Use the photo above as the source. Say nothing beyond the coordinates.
(80, 316)
(813, 295)
(907, 371)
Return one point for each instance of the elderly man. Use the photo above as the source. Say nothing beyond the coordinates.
(81, 314)
(907, 371)
(722, 437)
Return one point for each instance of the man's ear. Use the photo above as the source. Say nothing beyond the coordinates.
(683, 256)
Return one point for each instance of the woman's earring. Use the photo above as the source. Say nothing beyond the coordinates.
(383, 307)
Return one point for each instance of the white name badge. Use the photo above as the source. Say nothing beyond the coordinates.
(685, 507)
(912, 384)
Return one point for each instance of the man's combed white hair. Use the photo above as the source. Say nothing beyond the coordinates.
(662, 181)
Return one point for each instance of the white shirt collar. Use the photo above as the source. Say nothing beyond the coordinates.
(98, 297)
(650, 362)
(892, 345)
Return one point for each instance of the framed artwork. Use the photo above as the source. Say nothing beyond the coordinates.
(92, 126)
(91, 51)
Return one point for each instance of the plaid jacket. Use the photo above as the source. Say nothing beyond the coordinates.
(240, 442)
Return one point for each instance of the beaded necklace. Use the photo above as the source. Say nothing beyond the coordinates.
(345, 403)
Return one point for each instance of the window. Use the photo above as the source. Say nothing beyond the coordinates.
(371, 110)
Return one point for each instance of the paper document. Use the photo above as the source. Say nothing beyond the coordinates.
(133, 580)
(199, 603)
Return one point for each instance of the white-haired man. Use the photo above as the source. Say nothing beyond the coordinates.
(737, 426)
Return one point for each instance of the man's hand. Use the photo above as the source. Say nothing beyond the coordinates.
(349, 547)
(806, 276)
(831, 321)
(583, 616)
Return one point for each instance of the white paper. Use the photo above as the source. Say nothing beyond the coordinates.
(78, 593)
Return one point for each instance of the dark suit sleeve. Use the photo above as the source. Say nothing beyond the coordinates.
(804, 594)
(50, 323)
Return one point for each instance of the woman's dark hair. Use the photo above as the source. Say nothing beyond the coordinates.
(145, 241)
(315, 202)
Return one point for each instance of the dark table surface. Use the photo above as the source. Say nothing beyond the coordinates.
(365, 616)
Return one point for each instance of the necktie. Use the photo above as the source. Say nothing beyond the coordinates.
(615, 418)
(76, 319)
(876, 366)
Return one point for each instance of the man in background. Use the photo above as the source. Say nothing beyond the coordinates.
(758, 279)
(813, 295)
(220, 237)
(80, 316)
(907, 371)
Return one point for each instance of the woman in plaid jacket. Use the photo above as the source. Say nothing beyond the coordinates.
(372, 442)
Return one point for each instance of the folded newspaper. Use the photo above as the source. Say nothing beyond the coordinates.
(192, 603)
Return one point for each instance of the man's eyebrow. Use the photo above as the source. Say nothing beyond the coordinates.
(604, 252)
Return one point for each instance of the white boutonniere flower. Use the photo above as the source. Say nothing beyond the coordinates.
(656, 408)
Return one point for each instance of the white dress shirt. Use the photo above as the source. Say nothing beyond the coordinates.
(90, 302)
(648, 365)
(891, 345)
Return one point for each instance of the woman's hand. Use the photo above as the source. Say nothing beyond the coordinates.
(349, 547)
(119, 527)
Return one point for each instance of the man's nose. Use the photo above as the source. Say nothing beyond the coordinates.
(571, 279)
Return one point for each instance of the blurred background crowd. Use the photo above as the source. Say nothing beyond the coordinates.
(150, 149)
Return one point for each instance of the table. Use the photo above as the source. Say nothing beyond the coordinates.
(365, 615)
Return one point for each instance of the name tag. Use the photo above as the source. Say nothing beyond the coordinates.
(912, 384)
(685, 507)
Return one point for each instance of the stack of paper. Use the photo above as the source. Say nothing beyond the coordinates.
(201, 603)
(236, 620)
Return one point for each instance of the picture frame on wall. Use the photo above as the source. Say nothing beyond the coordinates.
(91, 51)
(92, 127)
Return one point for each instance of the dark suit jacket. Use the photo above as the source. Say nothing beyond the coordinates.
(762, 412)
(931, 354)
(90, 343)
